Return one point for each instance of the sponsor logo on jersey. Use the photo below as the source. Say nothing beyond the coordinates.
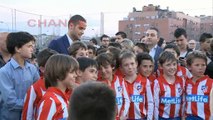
(137, 98)
(170, 100)
(119, 100)
(197, 98)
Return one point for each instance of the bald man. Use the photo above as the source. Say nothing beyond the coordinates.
(192, 44)
(4, 55)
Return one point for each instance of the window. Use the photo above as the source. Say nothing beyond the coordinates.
(146, 25)
(137, 25)
(131, 19)
(152, 17)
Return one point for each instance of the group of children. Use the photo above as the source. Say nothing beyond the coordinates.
(173, 93)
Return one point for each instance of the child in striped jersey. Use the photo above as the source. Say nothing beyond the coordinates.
(146, 67)
(60, 74)
(87, 70)
(168, 90)
(115, 51)
(106, 63)
(37, 90)
(136, 88)
(181, 71)
(199, 91)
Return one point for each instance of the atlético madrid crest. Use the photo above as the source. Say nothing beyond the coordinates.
(138, 87)
(204, 88)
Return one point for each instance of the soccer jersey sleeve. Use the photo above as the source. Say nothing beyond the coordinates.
(46, 110)
(28, 109)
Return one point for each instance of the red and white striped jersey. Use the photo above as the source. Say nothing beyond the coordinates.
(198, 97)
(53, 105)
(168, 98)
(32, 98)
(151, 79)
(140, 98)
(182, 72)
(117, 85)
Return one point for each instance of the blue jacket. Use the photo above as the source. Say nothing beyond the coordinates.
(158, 51)
(60, 45)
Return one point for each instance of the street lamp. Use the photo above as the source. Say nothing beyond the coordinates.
(6, 25)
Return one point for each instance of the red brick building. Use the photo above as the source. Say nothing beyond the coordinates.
(137, 22)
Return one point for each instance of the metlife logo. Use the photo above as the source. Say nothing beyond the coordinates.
(197, 98)
(170, 100)
(137, 98)
(119, 100)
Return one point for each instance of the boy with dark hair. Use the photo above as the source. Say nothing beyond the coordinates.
(94, 43)
(182, 43)
(205, 41)
(141, 58)
(87, 70)
(168, 90)
(106, 66)
(92, 101)
(106, 63)
(199, 89)
(17, 75)
(137, 89)
(182, 72)
(179, 32)
(140, 48)
(91, 52)
(115, 53)
(146, 67)
(101, 50)
(60, 75)
(37, 90)
(78, 49)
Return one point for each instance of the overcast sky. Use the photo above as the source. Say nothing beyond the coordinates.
(113, 10)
